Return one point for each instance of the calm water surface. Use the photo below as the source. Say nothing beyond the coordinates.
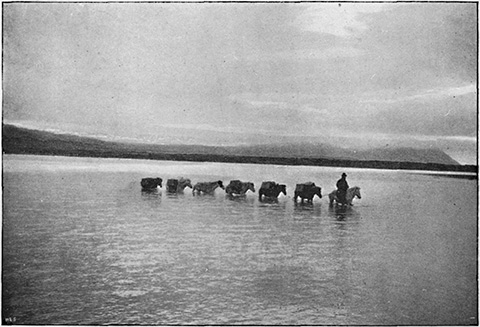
(83, 245)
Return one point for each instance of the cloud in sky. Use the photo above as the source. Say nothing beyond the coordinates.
(307, 54)
(319, 68)
(439, 93)
(339, 19)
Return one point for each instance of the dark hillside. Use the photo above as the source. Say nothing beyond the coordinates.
(26, 141)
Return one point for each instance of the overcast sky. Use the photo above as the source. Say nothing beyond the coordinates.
(237, 73)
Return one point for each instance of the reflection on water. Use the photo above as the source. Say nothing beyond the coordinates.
(306, 211)
(342, 213)
(239, 198)
(154, 194)
(98, 250)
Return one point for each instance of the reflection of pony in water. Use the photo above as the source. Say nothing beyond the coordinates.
(207, 187)
(178, 185)
(342, 213)
(352, 192)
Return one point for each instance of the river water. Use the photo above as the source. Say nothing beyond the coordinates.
(83, 245)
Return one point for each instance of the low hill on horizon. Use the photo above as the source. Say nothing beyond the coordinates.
(321, 150)
(19, 140)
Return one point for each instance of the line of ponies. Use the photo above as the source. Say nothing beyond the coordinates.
(268, 190)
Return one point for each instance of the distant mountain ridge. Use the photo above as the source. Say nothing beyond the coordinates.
(18, 140)
(312, 150)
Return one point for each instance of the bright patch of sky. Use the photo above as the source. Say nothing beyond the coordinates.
(243, 73)
(340, 19)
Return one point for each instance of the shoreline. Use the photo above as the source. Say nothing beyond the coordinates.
(463, 172)
(470, 176)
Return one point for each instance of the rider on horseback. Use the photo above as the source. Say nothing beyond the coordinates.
(342, 187)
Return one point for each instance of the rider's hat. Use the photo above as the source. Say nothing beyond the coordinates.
(344, 174)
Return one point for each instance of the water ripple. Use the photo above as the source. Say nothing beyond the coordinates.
(107, 253)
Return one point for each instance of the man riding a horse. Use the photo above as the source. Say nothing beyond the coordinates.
(342, 187)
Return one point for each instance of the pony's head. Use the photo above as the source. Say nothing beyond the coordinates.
(356, 192)
(283, 188)
(318, 191)
(251, 186)
(220, 183)
(185, 182)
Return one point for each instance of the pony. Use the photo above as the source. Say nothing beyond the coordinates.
(149, 184)
(352, 192)
(271, 190)
(207, 187)
(178, 185)
(307, 191)
(238, 187)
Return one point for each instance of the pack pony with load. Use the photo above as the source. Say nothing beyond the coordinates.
(178, 185)
(307, 191)
(271, 190)
(150, 184)
(237, 187)
(207, 187)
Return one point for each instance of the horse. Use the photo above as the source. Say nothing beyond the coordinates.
(207, 187)
(149, 184)
(178, 185)
(238, 187)
(271, 190)
(352, 192)
(307, 191)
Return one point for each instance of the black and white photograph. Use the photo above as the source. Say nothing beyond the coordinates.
(228, 163)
